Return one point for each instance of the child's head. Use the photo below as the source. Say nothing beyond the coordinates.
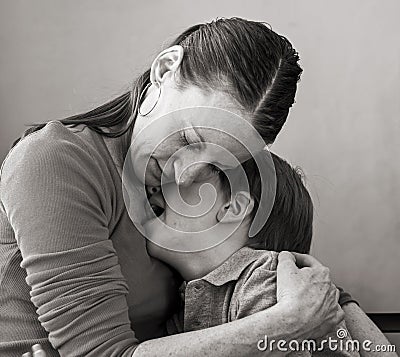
(289, 226)
(290, 223)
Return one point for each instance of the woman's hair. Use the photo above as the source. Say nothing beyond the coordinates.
(257, 67)
(290, 223)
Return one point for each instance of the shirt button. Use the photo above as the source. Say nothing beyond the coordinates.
(197, 287)
(196, 323)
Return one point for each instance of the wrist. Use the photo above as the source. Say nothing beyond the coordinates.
(298, 319)
(345, 298)
(292, 323)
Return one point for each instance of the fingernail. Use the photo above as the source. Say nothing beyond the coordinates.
(36, 347)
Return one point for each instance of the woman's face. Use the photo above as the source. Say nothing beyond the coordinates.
(170, 127)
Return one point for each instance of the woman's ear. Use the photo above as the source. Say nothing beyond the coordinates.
(168, 61)
(237, 209)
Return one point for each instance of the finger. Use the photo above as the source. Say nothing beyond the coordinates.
(286, 261)
(333, 294)
(338, 316)
(38, 351)
(341, 315)
(306, 260)
(286, 256)
(337, 295)
(27, 354)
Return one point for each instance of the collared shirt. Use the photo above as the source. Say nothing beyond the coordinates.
(229, 292)
(242, 285)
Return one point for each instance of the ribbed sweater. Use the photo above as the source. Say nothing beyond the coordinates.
(75, 275)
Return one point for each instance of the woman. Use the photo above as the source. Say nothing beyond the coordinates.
(74, 275)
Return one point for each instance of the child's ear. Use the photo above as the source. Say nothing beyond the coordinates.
(237, 209)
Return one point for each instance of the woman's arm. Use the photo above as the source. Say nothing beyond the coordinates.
(55, 194)
(235, 339)
(55, 197)
(361, 328)
(307, 308)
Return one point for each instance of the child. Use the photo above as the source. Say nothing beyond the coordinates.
(236, 277)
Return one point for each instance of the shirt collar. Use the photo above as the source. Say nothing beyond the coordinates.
(233, 267)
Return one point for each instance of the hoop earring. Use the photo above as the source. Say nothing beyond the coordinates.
(141, 98)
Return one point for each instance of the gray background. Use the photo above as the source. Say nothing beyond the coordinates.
(58, 58)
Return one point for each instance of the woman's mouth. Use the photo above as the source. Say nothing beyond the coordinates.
(157, 204)
(158, 211)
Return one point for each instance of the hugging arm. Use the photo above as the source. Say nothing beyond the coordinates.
(307, 308)
(362, 328)
(53, 194)
(233, 339)
(57, 207)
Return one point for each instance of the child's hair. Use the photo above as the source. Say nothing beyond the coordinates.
(290, 223)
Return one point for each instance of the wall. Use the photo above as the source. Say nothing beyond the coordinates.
(61, 57)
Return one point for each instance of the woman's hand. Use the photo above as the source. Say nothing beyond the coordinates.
(37, 351)
(309, 296)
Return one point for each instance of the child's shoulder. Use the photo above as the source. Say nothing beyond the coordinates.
(264, 260)
(255, 290)
(261, 269)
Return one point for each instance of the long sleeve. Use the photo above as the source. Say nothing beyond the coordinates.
(55, 195)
